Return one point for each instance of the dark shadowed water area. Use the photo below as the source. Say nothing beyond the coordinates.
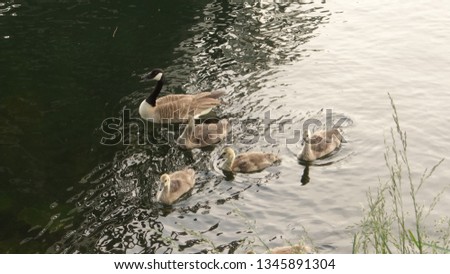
(79, 169)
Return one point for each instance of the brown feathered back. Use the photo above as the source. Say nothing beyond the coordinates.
(253, 161)
(321, 144)
(196, 136)
(249, 161)
(178, 108)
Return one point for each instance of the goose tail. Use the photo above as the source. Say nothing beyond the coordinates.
(216, 94)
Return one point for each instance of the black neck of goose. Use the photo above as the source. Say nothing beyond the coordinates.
(151, 99)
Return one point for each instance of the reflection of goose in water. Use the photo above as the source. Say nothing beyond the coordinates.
(174, 185)
(305, 176)
(196, 136)
(175, 108)
(320, 144)
(247, 162)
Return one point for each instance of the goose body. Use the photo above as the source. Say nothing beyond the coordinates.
(320, 144)
(174, 185)
(175, 108)
(248, 162)
(196, 136)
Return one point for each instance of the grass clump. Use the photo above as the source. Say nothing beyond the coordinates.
(395, 221)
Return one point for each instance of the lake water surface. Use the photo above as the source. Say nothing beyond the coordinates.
(67, 67)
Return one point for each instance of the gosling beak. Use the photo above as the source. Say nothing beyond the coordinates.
(160, 186)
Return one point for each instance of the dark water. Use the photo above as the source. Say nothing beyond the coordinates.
(67, 67)
(62, 74)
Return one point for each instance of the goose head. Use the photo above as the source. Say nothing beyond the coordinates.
(155, 74)
(307, 136)
(163, 185)
(229, 155)
(165, 181)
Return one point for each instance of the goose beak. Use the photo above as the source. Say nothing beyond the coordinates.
(145, 77)
(160, 186)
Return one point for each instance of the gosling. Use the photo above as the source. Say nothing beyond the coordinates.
(247, 162)
(174, 185)
(320, 144)
(203, 135)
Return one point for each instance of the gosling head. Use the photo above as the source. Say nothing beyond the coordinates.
(155, 74)
(229, 156)
(165, 181)
(307, 135)
(227, 153)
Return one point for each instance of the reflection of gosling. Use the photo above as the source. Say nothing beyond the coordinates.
(196, 136)
(247, 162)
(174, 185)
(320, 144)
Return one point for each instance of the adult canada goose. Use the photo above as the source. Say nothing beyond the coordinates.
(196, 136)
(247, 162)
(174, 185)
(319, 144)
(175, 108)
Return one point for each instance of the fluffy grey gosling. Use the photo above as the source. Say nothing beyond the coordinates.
(247, 162)
(175, 108)
(174, 185)
(196, 136)
(320, 144)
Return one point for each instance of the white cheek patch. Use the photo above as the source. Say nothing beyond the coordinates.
(158, 76)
